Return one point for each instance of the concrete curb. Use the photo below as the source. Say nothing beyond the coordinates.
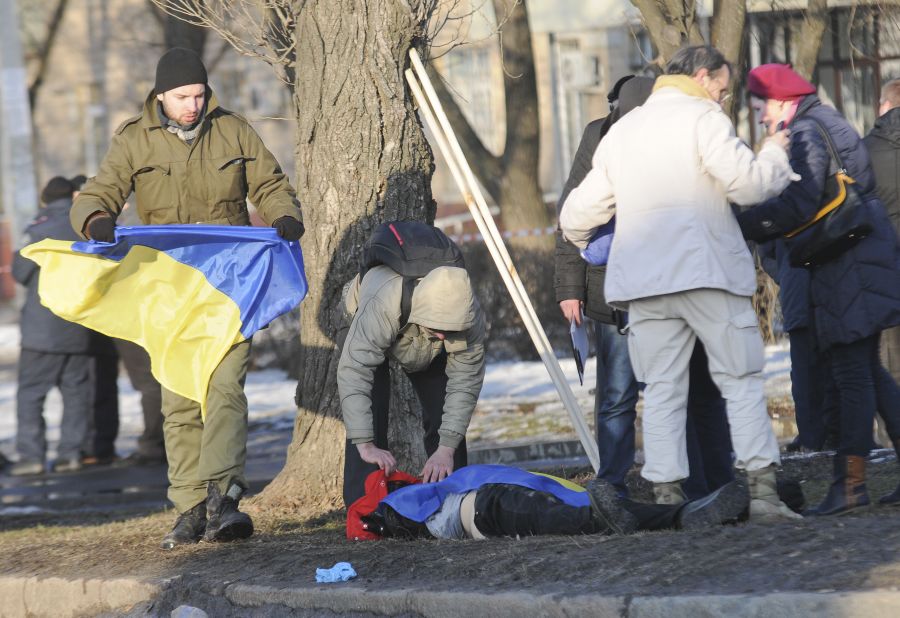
(54, 596)
(34, 597)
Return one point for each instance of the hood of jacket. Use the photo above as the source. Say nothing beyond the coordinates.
(444, 300)
(887, 127)
(634, 93)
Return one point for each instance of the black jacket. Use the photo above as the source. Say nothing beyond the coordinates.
(857, 294)
(883, 142)
(574, 278)
(42, 331)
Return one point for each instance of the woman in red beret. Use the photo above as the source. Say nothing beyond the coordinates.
(855, 295)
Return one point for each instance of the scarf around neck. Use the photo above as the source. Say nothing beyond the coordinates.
(683, 83)
(185, 134)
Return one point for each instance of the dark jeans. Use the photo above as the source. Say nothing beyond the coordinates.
(38, 373)
(708, 435)
(137, 365)
(808, 379)
(431, 388)
(863, 385)
(614, 406)
(512, 510)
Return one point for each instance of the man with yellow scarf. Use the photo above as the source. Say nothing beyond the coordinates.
(679, 264)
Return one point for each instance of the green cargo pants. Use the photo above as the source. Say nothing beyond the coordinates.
(216, 450)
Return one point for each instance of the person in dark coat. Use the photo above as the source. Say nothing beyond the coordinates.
(808, 375)
(883, 143)
(579, 288)
(854, 296)
(55, 353)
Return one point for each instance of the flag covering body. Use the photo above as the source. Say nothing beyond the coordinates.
(186, 293)
(419, 502)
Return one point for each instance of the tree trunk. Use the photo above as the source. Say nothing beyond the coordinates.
(361, 158)
(810, 40)
(521, 199)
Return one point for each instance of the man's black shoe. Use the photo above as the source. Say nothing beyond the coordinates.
(609, 509)
(188, 528)
(725, 505)
(226, 522)
(141, 459)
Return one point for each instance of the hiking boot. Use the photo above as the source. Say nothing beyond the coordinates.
(608, 508)
(27, 468)
(188, 528)
(848, 487)
(668, 493)
(226, 522)
(765, 505)
(66, 465)
(723, 506)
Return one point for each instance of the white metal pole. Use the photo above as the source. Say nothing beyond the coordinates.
(464, 177)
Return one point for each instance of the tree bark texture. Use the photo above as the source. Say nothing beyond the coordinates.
(814, 26)
(671, 24)
(361, 158)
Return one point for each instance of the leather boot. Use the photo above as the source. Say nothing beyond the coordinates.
(725, 505)
(668, 493)
(765, 505)
(188, 528)
(893, 497)
(848, 487)
(607, 508)
(226, 522)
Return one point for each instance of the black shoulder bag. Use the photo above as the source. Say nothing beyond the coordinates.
(838, 225)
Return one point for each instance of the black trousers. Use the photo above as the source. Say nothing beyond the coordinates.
(431, 388)
(137, 365)
(105, 421)
(512, 510)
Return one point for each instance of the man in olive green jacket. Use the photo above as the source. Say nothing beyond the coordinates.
(441, 349)
(187, 160)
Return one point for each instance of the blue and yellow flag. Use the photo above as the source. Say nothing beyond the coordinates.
(186, 293)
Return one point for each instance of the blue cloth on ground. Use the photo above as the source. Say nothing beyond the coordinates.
(419, 502)
(340, 572)
(597, 251)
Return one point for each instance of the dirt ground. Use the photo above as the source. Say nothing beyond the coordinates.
(851, 552)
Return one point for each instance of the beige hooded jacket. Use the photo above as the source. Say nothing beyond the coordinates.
(444, 301)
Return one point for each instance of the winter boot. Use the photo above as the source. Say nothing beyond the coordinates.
(607, 508)
(848, 487)
(725, 505)
(188, 528)
(668, 493)
(893, 497)
(226, 522)
(765, 505)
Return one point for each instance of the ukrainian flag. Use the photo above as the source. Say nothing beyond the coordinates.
(186, 293)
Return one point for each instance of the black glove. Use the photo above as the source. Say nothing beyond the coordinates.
(289, 228)
(102, 229)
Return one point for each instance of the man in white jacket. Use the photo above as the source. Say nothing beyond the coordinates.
(679, 264)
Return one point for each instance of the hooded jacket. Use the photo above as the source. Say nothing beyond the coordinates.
(574, 278)
(443, 300)
(883, 142)
(43, 331)
(207, 181)
(857, 294)
(668, 171)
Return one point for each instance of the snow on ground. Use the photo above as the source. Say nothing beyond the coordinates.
(518, 402)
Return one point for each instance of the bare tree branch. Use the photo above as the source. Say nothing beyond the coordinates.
(44, 50)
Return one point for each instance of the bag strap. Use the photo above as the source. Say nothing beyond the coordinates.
(829, 144)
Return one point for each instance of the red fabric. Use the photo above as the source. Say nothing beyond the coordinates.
(778, 81)
(376, 490)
